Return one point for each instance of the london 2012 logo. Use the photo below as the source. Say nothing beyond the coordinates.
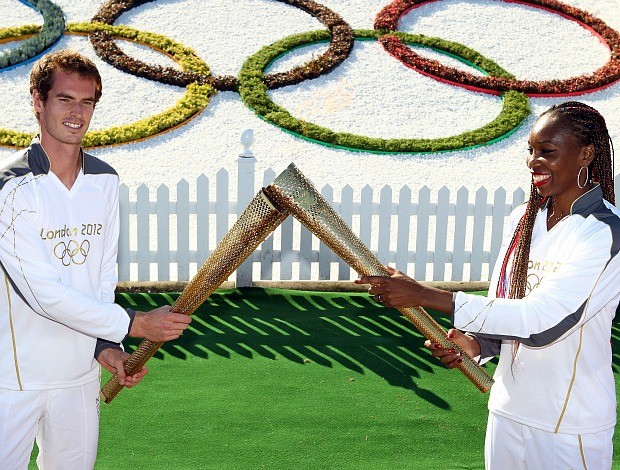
(253, 82)
(72, 252)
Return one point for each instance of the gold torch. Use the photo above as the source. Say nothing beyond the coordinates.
(292, 191)
(252, 227)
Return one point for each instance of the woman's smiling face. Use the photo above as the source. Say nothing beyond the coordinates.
(555, 157)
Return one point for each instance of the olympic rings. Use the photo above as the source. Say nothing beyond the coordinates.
(195, 99)
(387, 20)
(72, 252)
(253, 83)
(253, 91)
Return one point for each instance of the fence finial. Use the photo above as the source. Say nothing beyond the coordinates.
(247, 138)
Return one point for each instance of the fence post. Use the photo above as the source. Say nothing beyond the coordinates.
(245, 192)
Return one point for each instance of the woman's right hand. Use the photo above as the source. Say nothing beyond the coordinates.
(451, 358)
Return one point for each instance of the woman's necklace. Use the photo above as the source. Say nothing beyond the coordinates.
(552, 218)
(555, 218)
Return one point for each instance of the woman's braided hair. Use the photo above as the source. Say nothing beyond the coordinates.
(589, 126)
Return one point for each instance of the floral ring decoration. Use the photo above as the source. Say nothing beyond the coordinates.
(387, 20)
(341, 44)
(195, 99)
(38, 39)
(254, 92)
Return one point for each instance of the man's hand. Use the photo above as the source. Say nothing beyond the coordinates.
(160, 324)
(113, 360)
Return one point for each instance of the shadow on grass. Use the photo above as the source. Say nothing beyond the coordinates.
(300, 326)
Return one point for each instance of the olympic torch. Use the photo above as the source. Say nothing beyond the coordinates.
(252, 227)
(292, 191)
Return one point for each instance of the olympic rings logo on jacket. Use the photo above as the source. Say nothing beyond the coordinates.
(72, 252)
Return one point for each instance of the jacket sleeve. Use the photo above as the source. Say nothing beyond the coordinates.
(489, 347)
(25, 261)
(109, 278)
(559, 305)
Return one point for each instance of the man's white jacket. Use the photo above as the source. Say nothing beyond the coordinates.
(58, 251)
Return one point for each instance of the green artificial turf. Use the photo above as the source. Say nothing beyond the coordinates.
(282, 379)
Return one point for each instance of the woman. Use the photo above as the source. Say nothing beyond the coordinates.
(550, 306)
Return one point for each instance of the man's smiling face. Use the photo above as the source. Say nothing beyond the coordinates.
(65, 116)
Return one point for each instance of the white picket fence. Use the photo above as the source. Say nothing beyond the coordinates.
(433, 236)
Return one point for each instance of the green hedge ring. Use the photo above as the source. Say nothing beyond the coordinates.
(254, 93)
(195, 99)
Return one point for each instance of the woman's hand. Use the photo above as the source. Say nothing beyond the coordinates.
(400, 291)
(451, 358)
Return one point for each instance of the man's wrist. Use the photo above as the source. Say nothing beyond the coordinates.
(135, 328)
(103, 344)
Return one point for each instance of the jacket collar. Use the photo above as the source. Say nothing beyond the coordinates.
(585, 204)
(38, 160)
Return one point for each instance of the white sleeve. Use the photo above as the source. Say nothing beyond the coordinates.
(560, 304)
(26, 262)
(109, 277)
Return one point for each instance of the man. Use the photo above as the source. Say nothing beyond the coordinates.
(58, 246)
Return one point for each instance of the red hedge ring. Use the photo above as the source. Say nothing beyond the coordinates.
(387, 20)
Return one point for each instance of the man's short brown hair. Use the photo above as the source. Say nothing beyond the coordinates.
(68, 61)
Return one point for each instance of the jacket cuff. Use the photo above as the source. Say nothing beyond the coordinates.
(452, 312)
(105, 344)
(489, 347)
(132, 315)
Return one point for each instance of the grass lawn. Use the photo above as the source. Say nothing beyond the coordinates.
(282, 379)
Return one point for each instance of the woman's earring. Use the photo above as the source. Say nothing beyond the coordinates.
(579, 177)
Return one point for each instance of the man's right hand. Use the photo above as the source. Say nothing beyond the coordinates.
(160, 324)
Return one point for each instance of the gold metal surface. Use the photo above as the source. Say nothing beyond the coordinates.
(252, 227)
(293, 191)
